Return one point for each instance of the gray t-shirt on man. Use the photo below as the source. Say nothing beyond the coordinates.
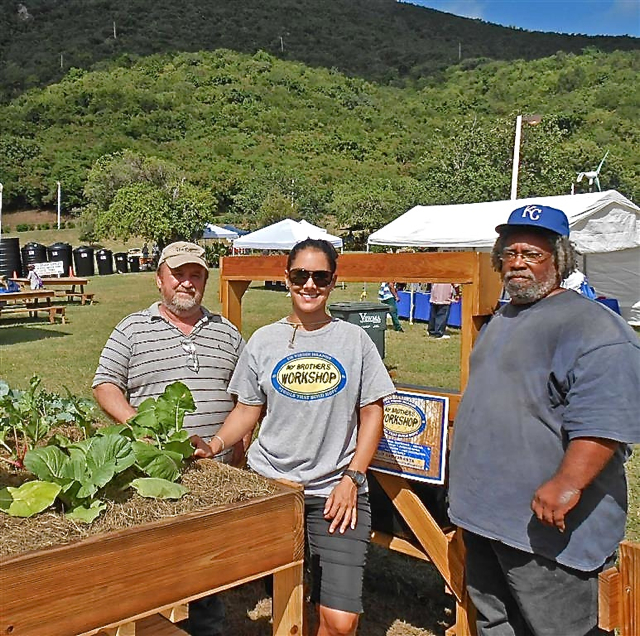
(313, 383)
(541, 375)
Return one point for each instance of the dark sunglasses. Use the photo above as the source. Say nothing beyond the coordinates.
(321, 277)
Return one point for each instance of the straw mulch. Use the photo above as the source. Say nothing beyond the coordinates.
(210, 484)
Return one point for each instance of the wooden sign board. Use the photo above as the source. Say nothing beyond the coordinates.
(414, 441)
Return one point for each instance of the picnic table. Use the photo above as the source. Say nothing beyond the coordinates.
(31, 301)
(65, 286)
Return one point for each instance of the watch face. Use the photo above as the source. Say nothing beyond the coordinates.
(356, 476)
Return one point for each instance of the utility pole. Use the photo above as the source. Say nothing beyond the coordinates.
(61, 61)
(59, 198)
(459, 51)
(1, 188)
(115, 36)
(281, 45)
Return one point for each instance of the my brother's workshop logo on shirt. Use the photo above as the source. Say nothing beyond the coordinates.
(308, 375)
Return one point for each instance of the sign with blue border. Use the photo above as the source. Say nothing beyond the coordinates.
(414, 440)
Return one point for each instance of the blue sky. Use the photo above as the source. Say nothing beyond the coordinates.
(591, 17)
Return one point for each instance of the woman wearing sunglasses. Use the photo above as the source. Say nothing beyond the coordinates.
(322, 381)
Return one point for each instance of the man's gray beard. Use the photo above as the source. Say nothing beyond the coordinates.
(529, 291)
(179, 306)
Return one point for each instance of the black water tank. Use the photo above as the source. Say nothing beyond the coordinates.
(33, 253)
(83, 259)
(121, 262)
(60, 252)
(104, 259)
(10, 261)
(134, 262)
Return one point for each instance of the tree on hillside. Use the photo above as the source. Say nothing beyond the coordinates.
(132, 195)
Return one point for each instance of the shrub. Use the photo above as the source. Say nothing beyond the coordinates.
(70, 225)
(22, 227)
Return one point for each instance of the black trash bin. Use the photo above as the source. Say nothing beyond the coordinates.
(33, 253)
(61, 252)
(121, 262)
(372, 317)
(83, 259)
(134, 262)
(104, 259)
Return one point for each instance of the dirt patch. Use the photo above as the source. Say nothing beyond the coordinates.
(33, 217)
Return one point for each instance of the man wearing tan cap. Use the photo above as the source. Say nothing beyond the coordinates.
(176, 339)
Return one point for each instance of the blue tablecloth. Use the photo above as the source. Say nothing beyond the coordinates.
(422, 308)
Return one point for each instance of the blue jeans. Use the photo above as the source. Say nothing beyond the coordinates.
(438, 318)
(521, 594)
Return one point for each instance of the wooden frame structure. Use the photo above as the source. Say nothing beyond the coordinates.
(481, 289)
(123, 583)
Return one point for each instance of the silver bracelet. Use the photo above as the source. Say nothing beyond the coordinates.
(221, 441)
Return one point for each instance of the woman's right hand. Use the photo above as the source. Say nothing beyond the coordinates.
(342, 506)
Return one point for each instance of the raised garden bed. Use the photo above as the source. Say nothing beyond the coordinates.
(118, 577)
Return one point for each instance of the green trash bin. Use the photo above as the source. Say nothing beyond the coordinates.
(372, 317)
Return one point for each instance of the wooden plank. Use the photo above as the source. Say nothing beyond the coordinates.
(609, 599)
(288, 601)
(176, 613)
(192, 555)
(630, 588)
(446, 555)
(157, 625)
(443, 267)
(232, 300)
(399, 545)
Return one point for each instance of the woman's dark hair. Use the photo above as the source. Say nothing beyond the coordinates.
(320, 245)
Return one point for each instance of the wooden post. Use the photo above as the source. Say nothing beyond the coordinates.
(288, 601)
(481, 290)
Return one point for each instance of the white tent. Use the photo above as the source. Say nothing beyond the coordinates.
(605, 227)
(216, 232)
(283, 236)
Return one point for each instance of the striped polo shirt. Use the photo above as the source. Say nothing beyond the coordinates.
(146, 352)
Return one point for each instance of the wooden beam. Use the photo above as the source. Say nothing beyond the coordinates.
(445, 555)
(288, 601)
(157, 625)
(398, 545)
(609, 599)
(232, 292)
(630, 588)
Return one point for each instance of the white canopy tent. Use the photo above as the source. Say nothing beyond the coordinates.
(605, 227)
(216, 232)
(283, 236)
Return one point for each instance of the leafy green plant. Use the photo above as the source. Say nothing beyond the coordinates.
(146, 454)
(26, 417)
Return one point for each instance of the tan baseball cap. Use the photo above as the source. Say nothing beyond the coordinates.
(181, 253)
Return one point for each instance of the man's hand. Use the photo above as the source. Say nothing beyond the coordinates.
(583, 461)
(202, 449)
(341, 506)
(553, 500)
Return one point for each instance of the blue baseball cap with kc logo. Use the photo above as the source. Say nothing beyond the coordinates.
(540, 216)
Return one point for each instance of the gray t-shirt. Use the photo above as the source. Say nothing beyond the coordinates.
(145, 353)
(313, 384)
(541, 375)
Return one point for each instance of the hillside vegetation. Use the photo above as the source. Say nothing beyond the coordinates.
(381, 40)
(252, 139)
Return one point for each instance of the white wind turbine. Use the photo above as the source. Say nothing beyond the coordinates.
(593, 174)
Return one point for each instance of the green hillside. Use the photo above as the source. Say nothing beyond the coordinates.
(260, 138)
(380, 40)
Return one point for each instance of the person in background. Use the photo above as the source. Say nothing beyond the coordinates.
(322, 382)
(388, 294)
(442, 295)
(35, 282)
(176, 339)
(536, 474)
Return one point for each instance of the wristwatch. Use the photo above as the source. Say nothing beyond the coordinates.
(356, 477)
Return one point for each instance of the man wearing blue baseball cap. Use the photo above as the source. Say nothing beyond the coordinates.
(537, 476)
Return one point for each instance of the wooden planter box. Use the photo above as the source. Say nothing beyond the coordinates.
(119, 577)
